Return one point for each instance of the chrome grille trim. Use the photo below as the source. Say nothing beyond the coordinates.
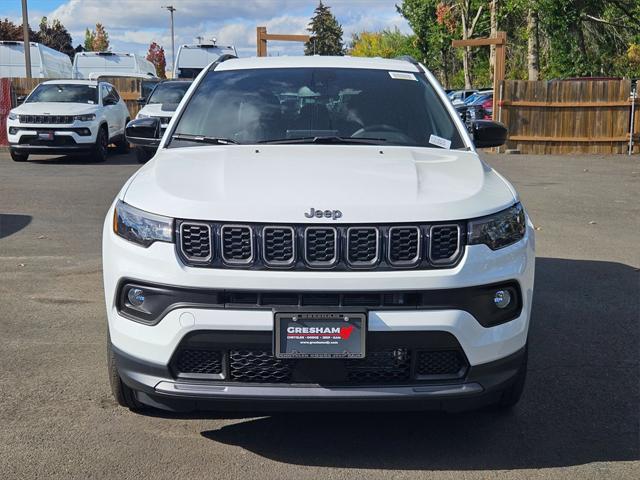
(232, 261)
(211, 242)
(279, 263)
(363, 263)
(448, 260)
(405, 263)
(321, 264)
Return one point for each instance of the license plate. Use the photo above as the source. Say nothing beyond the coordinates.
(319, 335)
(45, 135)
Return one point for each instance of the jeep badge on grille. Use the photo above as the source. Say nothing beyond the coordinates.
(333, 214)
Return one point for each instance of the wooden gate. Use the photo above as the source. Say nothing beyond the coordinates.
(557, 117)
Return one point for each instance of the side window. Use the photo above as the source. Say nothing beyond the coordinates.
(114, 93)
(104, 93)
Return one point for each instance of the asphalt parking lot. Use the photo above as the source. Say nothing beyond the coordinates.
(579, 417)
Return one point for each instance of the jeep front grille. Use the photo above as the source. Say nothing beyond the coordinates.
(46, 119)
(303, 247)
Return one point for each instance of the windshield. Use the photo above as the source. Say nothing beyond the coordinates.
(169, 92)
(270, 104)
(64, 93)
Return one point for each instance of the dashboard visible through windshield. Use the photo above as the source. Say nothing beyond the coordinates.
(291, 105)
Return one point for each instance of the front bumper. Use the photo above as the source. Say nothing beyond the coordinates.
(66, 138)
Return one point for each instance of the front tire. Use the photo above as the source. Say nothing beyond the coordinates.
(100, 149)
(122, 146)
(124, 395)
(18, 157)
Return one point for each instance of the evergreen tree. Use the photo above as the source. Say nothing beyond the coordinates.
(88, 40)
(55, 36)
(100, 39)
(326, 33)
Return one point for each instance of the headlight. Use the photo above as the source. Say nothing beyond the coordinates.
(13, 116)
(500, 229)
(89, 117)
(142, 115)
(141, 227)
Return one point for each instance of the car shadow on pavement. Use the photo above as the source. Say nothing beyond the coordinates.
(12, 223)
(580, 404)
(112, 159)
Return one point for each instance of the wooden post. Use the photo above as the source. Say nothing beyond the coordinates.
(262, 36)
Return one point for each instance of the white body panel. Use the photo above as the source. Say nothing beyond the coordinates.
(198, 56)
(106, 63)
(45, 62)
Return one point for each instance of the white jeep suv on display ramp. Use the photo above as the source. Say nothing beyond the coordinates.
(61, 117)
(317, 232)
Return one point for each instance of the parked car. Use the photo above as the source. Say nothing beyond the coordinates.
(111, 63)
(68, 117)
(477, 106)
(458, 97)
(351, 247)
(191, 59)
(45, 62)
(162, 104)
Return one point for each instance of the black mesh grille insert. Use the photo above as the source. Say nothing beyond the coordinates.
(237, 244)
(46, 119)
(388, 366)
(257, 366)
(443, 362)
(278, 245)
(200, 361)
(196, 240)
(444, 242)
(362, 245)
(320, 246)
(404, 245)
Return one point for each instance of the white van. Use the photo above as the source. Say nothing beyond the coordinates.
(111, 63)
(191, 59)
(45, 62)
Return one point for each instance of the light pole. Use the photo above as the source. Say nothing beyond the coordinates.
(171, 9)
(27, 44)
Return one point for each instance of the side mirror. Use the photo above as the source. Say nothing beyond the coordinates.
(144, 132)
(20, 99)
(141, 100)
(487, 133)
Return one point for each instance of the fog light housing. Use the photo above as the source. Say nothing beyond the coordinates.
(83, 132)
(13, 130)
(136, 297)
(502, 299)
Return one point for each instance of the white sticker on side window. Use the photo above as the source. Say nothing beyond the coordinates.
(403, 76)
(440, 142)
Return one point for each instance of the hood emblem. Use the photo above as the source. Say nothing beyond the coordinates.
(332, 214)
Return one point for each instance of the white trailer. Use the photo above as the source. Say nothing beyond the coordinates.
(191, 59)
(111, 64)
(45, 62)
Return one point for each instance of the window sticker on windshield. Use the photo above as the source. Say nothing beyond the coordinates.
(403, 76)
(440, 142)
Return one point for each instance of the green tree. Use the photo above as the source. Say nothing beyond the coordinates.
(385, 44)
(55, 36)
(326, 33)
(96, 40)
(88, 40)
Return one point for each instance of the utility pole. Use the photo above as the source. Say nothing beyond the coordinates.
(172, 9)
(27, 43)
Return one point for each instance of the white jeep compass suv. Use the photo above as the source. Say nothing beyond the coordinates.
(61, 117)
(317, 232)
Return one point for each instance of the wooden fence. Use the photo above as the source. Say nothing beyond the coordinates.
(129, 88)
(560, 117)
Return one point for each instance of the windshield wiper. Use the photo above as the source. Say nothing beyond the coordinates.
(204, 139)
(327, 140)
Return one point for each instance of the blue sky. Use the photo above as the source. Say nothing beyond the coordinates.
(133, 24)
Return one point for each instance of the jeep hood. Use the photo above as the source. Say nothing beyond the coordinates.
(279, 183)
(54, 108)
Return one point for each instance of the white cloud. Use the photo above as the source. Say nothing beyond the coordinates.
(133, 24)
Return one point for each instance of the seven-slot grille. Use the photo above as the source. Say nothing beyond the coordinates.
(237, 244)
(304, 246)
(46, 119)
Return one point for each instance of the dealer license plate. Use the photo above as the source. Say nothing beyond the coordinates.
(45, 135)
(319, 335)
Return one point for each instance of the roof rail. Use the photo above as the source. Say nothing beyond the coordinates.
(408, 58)
(221, 58)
